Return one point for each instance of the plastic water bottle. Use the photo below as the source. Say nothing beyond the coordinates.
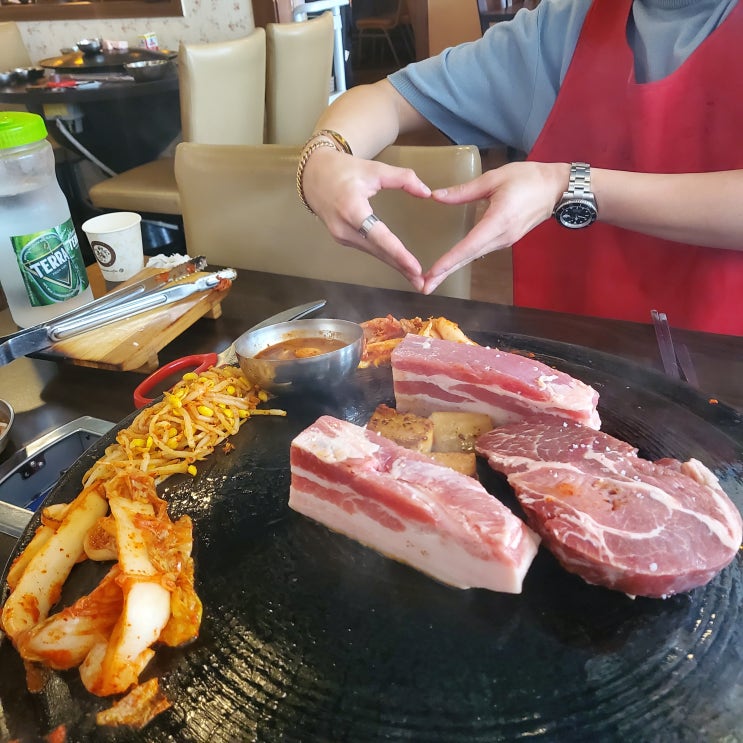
(41, 267)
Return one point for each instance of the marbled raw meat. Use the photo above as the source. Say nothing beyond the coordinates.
(408, 507)
(432, 375)
(617, 520)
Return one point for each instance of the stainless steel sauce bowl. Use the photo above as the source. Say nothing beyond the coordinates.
(300, 375)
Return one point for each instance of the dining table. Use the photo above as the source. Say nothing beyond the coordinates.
(310, 636)
(121, 122)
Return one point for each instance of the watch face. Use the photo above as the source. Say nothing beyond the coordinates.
(576, 214)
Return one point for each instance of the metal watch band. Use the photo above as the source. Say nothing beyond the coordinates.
(579, 183)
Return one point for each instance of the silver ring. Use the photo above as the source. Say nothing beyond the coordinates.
(367, 224)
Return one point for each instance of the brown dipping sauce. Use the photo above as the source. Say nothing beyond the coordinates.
(300, 348)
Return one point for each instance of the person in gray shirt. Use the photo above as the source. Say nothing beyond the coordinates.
(513, 87)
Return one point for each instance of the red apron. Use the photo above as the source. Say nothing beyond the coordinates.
(690, 121)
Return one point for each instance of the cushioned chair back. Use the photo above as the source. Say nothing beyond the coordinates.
(240, 209)
(452, 22)
(13, 52)
(223, 90)
(299, 60)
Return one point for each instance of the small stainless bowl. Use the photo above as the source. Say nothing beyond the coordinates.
(6, 419)
(21, 74)
(148, 69)
(320, 372)
(7, 77)
(89, 46)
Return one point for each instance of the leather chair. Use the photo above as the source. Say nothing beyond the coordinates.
(223, 90)
(452, 22)
(240, 209)
(222, 95)
(13, 52)
(299, 58)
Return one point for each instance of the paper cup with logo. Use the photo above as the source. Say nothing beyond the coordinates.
(116, 242)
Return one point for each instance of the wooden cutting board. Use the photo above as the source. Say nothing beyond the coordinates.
(132, 344)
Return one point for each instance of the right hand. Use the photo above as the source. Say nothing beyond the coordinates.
(520, 196)
(338, 188)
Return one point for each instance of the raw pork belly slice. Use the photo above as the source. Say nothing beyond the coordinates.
(431, 375)
(615, 519)
(407, 507)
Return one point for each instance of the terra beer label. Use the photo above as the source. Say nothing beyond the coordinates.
(51, 264)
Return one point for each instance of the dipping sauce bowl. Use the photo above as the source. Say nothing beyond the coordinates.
(312, 372)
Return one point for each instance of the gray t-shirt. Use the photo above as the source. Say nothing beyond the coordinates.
(499, 90)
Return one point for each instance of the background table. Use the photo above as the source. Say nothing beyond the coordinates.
(122, 123)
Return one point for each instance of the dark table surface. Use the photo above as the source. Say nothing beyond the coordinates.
(77, 61)
(110, 89)
(47, 394)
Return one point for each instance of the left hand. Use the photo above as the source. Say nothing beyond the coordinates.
(338, 188)
(521, 195)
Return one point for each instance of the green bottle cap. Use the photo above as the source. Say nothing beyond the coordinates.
(18, 128)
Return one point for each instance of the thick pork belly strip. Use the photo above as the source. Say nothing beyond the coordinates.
(407, 507)
(617, 520)
(431, 375)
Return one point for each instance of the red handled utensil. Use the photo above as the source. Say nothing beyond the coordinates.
(200, 362)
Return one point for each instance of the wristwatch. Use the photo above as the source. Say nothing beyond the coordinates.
(577, 208)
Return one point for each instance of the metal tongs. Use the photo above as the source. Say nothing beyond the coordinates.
(676, 359)
(150, 293)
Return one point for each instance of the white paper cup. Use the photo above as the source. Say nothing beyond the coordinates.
(116, 242)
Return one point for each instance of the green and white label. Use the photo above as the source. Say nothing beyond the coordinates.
(51, 264)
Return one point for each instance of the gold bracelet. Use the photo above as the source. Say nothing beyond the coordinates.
(303, 158)
(339, 139)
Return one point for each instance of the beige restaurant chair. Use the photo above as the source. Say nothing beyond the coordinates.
(240, 209)
(299, 60)
(13, 52)
(222, 101)
(223, 90)
(452, 22)
(288, 11)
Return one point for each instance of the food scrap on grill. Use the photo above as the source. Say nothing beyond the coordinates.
(147, 596)
(137, 708)
(383, 334)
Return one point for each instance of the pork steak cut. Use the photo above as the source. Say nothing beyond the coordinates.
(408, 507)
(432, 375)
(617, 520)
